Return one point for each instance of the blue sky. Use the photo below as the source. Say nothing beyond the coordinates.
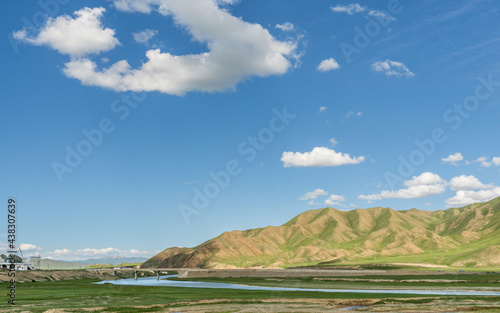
(130, 126)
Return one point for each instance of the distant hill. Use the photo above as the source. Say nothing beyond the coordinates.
(461, 237)
(114, 260)
(49, 264)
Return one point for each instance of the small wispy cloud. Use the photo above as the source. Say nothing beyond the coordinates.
(484, 161)
(311, 195)
(381, 15)
(392, 68)
(349, 9)
(352, 113)
(286, 27)
(144, 36)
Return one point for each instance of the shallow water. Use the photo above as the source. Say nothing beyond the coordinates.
(152, 281)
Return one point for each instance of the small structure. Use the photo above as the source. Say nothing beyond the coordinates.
(19, 263)
(36, 261)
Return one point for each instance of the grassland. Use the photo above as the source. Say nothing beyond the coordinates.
(479, 281)
(83, 296)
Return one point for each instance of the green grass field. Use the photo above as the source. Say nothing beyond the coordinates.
(77, 295)
(447, 281)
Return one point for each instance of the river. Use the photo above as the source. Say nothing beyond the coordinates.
(152, 281)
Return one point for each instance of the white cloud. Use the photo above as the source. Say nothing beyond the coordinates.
(392, 68)
(334, 200)
(425, 185)
(318, 157)
(141, 6)
(144, 36)
(83, 254)
(328, 65)
(312, 202)
(286, 27)
(77, 36)
(466, 197)
(352, 113)
(453, 158)
(236, 51)
(426, 179)
(483, 162)
(29, 248)
(313, 194)
(496, 161)
(322, 109)
(381, 15)
(333, 142)
(467, 183)
(349, 9)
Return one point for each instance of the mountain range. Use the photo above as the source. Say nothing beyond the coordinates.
(461, 237)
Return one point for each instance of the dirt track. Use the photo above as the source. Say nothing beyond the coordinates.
(30, 276)
(196, 273)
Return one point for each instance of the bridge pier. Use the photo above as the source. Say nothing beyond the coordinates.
(158, 275)
(114, 273)
(135, 275)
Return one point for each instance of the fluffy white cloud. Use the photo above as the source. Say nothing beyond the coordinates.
(349, 9)
(467, 183)
(318, 157)
(425, 179)
(144, 36)
(334, 200)
(322, 109)
(392, 68)
(29, 248)
(313, 194)
(496, 161)
(466, 197)
(328, 65)
(77, 36)
(286, 27)
(425, 185)
(453, 158)
(26, 248)
(83, 254)
(236, 50)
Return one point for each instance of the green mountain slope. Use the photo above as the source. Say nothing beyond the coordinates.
(465, 237)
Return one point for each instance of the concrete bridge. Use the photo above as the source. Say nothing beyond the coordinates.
(137, 270)
(292, 272)
(197, 272)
